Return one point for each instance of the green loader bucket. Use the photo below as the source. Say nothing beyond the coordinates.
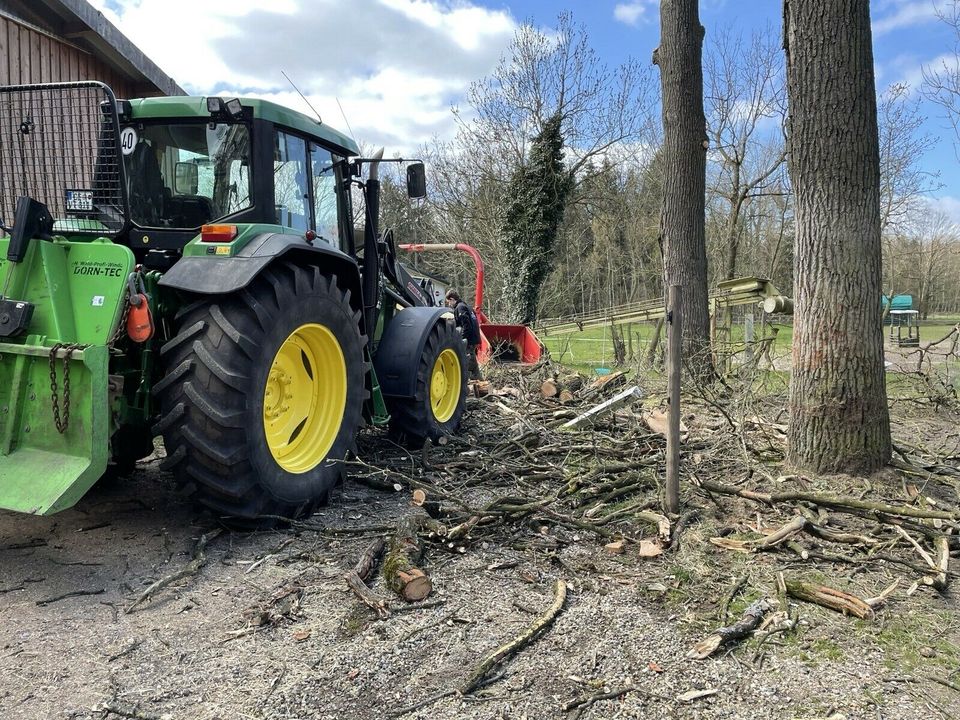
(78, 290)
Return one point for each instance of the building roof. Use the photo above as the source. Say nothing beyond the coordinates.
(78, 22)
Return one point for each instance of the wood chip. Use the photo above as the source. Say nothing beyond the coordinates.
(649, 548)
(616, 547)
(692, 695)
(657, 421)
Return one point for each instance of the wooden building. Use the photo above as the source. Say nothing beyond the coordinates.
(61, 40)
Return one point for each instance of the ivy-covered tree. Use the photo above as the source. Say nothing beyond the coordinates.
(537, 198)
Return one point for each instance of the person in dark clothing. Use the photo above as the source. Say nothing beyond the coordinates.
(466, 320)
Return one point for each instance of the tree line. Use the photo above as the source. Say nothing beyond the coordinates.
(555, 174)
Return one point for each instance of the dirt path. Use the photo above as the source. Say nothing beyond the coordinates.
(174, 658)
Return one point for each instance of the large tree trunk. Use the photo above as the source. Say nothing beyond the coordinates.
(838, 405)
(684, 172)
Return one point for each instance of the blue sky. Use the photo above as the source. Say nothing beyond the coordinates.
(396, 66)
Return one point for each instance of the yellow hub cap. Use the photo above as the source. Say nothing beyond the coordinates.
(445, 385)
(304, 398)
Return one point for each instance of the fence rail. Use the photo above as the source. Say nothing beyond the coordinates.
(729, 293)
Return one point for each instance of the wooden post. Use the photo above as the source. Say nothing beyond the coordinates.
(748, 334)
(674, 344)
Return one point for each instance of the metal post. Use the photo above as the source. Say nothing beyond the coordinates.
(674, 343)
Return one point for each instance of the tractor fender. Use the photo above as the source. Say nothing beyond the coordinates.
(219, 275)
(398, 354)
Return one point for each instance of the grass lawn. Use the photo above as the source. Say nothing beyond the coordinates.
(592, 348)
(941, 320)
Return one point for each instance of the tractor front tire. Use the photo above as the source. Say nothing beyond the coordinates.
(437, 406)
(263, 393)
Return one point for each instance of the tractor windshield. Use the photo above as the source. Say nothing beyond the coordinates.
(182, 175)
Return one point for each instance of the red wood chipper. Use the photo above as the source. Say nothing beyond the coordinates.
(498, 342)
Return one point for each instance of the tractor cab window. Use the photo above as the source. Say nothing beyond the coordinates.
(327, 209)
(182, 175)
(290, 181)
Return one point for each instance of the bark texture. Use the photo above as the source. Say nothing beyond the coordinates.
(684, 172)
(838, 407)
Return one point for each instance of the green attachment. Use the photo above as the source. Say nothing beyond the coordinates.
(78, 289)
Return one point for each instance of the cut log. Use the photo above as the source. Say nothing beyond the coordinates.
(746, 625)
(836, 502)
(620, 399)
(831, 598)
(377, 482)
(785, 533)
(400, 569)
(549, 389)
(480, 388)
(942, 545)
(368, 561)
(358, 577)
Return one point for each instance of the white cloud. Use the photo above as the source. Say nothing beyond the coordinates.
(395, 65)
(905, 13)
(908, 70)
(632, 13)
(948, 205)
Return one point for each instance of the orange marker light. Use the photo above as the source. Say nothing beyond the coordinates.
(140, 321)
(218, 233)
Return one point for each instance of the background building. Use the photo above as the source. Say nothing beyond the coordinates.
(61, 40)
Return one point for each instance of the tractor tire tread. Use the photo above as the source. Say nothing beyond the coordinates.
(207, 396)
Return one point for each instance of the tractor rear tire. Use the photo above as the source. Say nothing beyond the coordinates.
(263, 393)
(437, 406)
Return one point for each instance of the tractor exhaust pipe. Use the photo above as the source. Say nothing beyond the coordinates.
(371, 233)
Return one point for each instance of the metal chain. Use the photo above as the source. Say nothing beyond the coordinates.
(68, 350)
(122, 326)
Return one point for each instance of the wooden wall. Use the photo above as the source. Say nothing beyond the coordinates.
(29, 55)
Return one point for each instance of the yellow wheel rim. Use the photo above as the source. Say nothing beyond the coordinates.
(445, 385)
(304, 398)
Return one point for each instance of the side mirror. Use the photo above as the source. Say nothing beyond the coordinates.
(416, 180)
(186, 179)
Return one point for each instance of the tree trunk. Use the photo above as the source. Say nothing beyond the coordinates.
(733, 223)
(838, 406)
(684, 172)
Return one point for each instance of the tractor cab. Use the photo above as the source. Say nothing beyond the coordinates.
(194, 162)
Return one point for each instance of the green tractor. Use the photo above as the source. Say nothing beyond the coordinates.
(189, 267)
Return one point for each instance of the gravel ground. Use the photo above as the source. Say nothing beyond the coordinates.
(191, 653)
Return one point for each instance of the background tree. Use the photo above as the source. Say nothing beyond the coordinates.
(903, 180)
(745, 106)
(941, 82)
(550, 84)
(838, 405)
(684, 169)
(537, 199)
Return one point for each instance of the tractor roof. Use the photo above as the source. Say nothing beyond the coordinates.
(185, 107)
